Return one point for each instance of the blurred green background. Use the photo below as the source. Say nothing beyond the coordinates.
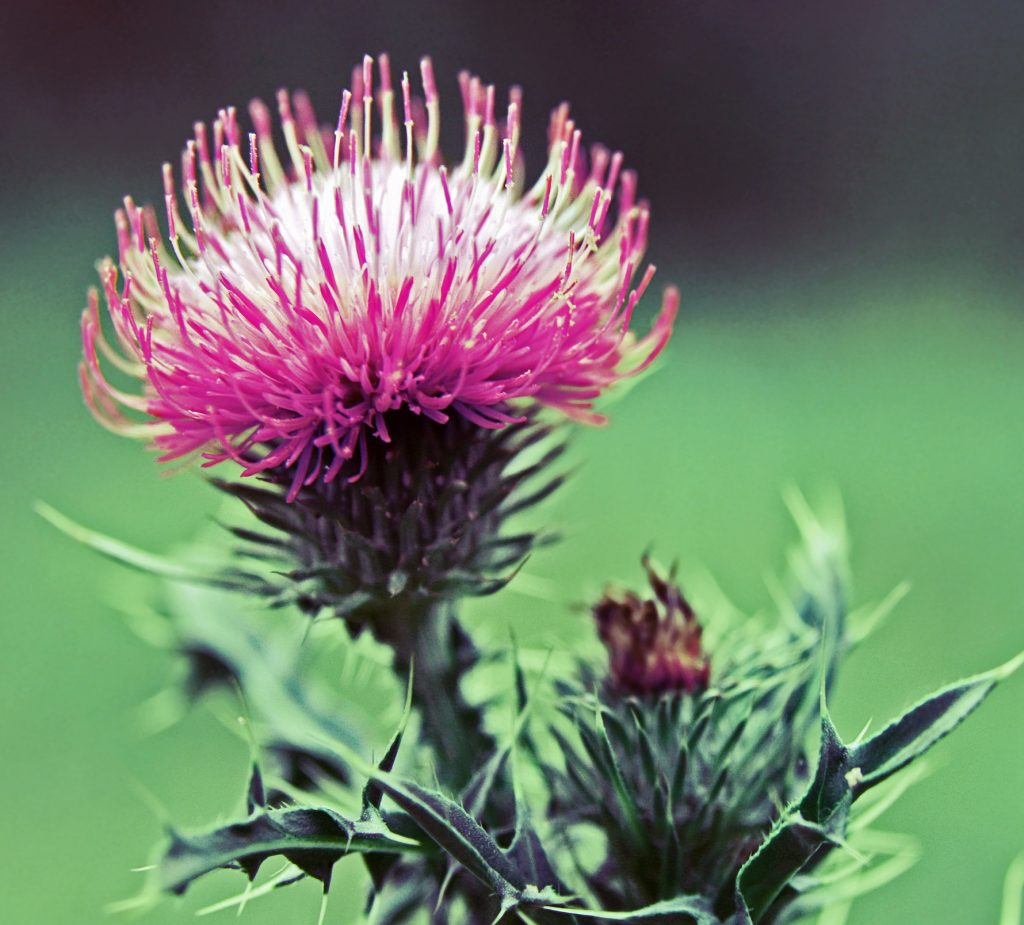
(836, 189)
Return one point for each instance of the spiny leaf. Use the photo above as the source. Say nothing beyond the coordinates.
(447, 824)
(455, 831)
(829, 788)
(923, 725)
(781, 856)
(311, 838)
(818, 821)
(693, 910)
(527, 852)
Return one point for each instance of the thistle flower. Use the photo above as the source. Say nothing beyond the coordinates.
(310, 301)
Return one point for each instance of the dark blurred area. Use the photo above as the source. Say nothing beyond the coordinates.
(843, 134)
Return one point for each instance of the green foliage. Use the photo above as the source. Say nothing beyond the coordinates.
(810, 828)
(684, 785)
(690, 807)
(693, 909)
(917, 730)
(313, 839)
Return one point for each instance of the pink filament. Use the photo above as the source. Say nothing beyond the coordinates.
(309, 300)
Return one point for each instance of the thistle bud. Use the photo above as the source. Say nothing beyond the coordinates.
(653, 645)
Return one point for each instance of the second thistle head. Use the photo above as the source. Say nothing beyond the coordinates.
(654, 644)
(686, 770)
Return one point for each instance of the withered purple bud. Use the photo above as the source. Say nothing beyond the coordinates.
(653, 645)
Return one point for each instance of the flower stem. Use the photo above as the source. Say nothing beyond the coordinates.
(433, 642)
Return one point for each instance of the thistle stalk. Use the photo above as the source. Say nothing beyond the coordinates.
(431, 646)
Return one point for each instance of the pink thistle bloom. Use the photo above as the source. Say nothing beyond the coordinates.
(305, 301)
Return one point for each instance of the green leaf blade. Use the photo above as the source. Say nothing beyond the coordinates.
(693, 910)
(917, 730)
(312, 838)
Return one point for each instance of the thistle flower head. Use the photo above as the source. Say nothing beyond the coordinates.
(305, 302)
(654, 644)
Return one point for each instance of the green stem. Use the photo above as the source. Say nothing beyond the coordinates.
(432, 641)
